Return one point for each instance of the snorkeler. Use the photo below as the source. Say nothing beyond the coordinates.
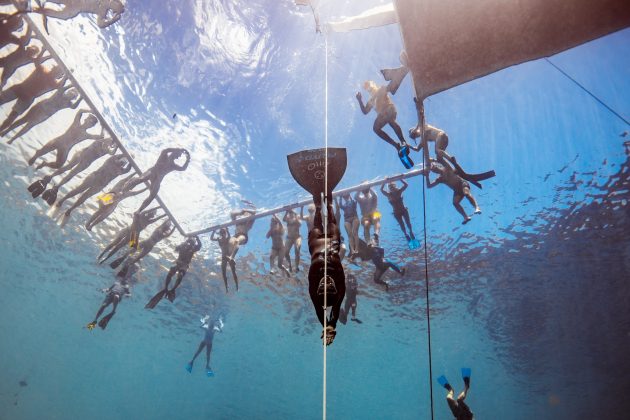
(460, 188)
(229, 247)
(294, 238)
(350, 221)
(123, 237)
(326, 279)
(352, 289)
(386, 110)
(370, 216)
(64, 97)
(276, 233)
(115, 293)
(75, 134)
(241, 229)
(187, 251)
(377, 256)
(107, 12)
(80, 161)
(42, 80)
(458, 407)
(132, 256)
(394, 196)
(206, 343)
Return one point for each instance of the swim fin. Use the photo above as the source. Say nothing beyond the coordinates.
(170, 295)
(37, 188)
(310, 168)
(155, 299)
(50, 196)
(105, 320)
(91, 325)
(189, 367)
(209, 373)
(403, 155)
(414, 244)
(357, 320)
(444, 382)
(395, 77)
(343, 316)
(466, 375)
(117, 261)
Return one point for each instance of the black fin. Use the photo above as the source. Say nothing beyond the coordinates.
(155, 299)
(50, 196)
(37, 187)
(105, 320)
(308, 168)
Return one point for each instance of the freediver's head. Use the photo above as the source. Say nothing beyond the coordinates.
(223, 232)
(392, 186)
(90, 120)
(370, 86)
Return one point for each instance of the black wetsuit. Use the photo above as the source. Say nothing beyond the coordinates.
(381, 264)
(317, 243)
(351, 296)
(187, 251)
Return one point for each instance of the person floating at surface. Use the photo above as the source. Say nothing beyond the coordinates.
(460, 188)
(326, 279)
(187, 251)
(206, 343)
(458, 407)
(162, 232)
(386, 110)
(77, 133)
(123, 237)
(381, 264)
(107, 12)
(24, 54)
(241, 229)
(350, 221)
(276, 233)
(229, 247)
(107, 203)
(394, 196)
(370, 216)
(93, 183)
(352, 289)
(64, 97)
(165, 164)
(309, 217)
(115, 293)
(79, 162)
(42, 80)
(294, 238)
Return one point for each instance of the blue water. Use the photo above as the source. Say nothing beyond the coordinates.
(532, 294)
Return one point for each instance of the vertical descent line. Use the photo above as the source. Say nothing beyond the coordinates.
(326, 215)
(426, 277)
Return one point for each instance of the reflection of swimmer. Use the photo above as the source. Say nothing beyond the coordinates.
(64, 97)
(276, 233)
(458, 407)
(326, 279)
(241, 229)
(294, 238)
(350, 221)
(386, 112)
(21, 56)
(460, 188)
(229, 247)
(75, 134)
(107, 12)
(370, 216)
(79, 162)
(187, 251)
(377, 256)
(400, 211)
(210, 329)
(115, 293)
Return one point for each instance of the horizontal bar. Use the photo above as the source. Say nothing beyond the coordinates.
(265, 213)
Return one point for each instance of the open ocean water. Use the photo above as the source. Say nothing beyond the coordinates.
(532, 294)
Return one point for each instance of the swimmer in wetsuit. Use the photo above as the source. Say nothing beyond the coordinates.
(386, 110)
(377, 256)
(206, 343)
(294, 238)
(394, 196)
(460, 187)
(115, 293)
(229, 247)
(326, 271)
(458, 407)
(350, 221)
(352, 290)
(276, 233)
(370, 216)
(186, 251)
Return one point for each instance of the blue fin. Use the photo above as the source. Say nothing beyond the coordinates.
(403, 155)
(442, 380)
(414, 244)
(466, 372)
(189, 367)
(209, 373)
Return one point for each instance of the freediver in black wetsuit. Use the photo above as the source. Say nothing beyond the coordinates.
(187, 251)
(352, 290)
(394, 196)
(130, 258)
(115, 293)
(326, 272)
(377, 256)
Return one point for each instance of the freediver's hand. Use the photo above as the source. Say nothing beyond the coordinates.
(359, 96)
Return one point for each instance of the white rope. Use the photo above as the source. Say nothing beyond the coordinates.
(325, 218)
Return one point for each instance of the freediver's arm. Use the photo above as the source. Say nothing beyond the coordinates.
(405, 185)
(364, 108)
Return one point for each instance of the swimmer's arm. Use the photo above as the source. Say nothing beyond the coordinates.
(383, 190)
(105, 22)
(405, 185)
(416, 148)
(364, 108)
(213, 236)
(286, 216)
(438, 180)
